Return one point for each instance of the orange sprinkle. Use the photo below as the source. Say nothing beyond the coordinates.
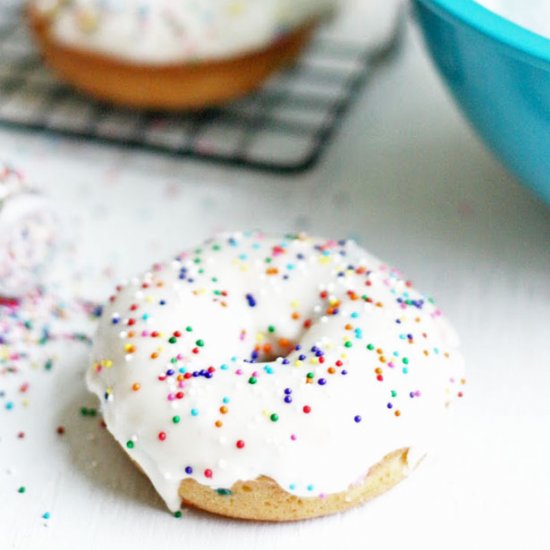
(224, 409)
(272, 271)
(295, 315)
(397, 413)
(136, 386)
(331, 370)
(218, 423)
(154, 355)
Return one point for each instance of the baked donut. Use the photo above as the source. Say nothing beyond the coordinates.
(171, 54)
(273, 378)
(28, 232)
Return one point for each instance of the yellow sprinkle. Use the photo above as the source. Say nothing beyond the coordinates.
(235, 8)
(87, 20)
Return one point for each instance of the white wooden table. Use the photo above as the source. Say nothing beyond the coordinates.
(412, 183)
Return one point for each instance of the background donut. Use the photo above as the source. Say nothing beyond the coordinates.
(171, 55)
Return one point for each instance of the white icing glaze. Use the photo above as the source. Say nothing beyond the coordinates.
(531, 14)
(28, 230)
(173, 31)
(375, 348)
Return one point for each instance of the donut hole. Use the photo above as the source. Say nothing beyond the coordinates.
(272, 349)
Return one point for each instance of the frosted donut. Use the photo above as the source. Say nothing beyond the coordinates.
(28, 232)
(274, 378)
(171, 54)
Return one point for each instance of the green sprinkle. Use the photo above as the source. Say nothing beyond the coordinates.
(176, 419)
(130, 444)
(200, 343)
(224, 492)
(310, 375)
(370, 347)
(274, 417)
(271, 329)
(348, 344)
(252, 380)
(21, 490)
(172, 339)
(85, 411)
(189, 329)
(393, 393)
(405, 360)
(178, 514)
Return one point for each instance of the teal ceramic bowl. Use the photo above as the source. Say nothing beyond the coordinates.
(499, 74)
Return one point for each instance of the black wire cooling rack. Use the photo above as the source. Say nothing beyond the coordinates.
(283, 127)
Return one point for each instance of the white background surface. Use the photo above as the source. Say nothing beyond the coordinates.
(409, 180)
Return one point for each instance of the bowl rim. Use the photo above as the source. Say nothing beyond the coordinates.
(496, 26)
